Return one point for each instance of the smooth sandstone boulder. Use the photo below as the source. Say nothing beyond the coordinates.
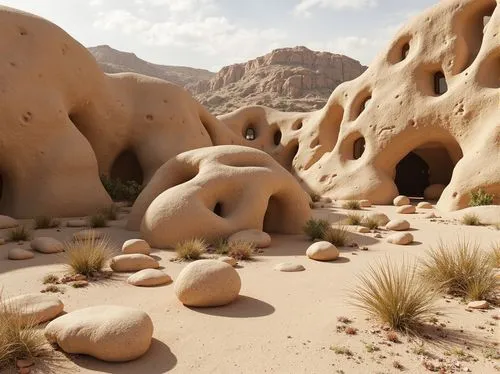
(136, 246)
(434, 191)
(108, 332)
(35, 308)
(401, 200)
(47, 245)
(207, 283)
(322, 251)
(7, 222)
(149, 278)
(424, 205)
(401, 238)
(19, 254)
(289, 267)
(406, 209)
(381, 218)
(398, 225)
(259, 238)
(133, 262)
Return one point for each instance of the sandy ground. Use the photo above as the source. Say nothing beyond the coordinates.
(282, 322)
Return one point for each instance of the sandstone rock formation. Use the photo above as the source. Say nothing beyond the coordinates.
(217, 191)
(290, 79)
(108, 332)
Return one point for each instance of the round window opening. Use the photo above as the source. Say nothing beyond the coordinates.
(250, 134)
(359, 148)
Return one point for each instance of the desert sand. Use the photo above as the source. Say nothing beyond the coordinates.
(281, 322)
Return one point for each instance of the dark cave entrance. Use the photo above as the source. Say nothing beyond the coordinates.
(412, 175)
(127, 168)
(1, 187)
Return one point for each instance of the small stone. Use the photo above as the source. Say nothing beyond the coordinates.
(228, 260)
(398, 225)
(322, 251)
(24, 363)
(362, 229)
(73, 278)
(259, 238)
(401, 238)
(7, 222)
(149, 278)
(136, 246)
(406, 209)
(377, 235)
(401, 200)
(133, 262)
(481, 304)
(24, 370)
(424, 205)
(20, 254)
(47, 245)
(289, 267)
(76, 223)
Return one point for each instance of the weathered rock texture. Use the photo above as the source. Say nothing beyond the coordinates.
(425, 112)
(291, 79)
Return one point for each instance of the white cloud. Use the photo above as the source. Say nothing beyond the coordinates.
(95, 3)
(304, 7)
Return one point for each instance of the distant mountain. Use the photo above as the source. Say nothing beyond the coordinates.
(289, 79)
(113, 61)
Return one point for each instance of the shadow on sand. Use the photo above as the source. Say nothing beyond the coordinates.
(242, 307)
(158, 359)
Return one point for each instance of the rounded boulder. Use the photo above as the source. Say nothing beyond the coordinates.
(207, 283)
(136, 246)
(7, 222)
(149, 278)
(259, 238)
(35, 308)
(398, 225)
(322, 251)
(20, 254)
(133, 262)
(108, 332)
(401, 238)
(47, 245)
(401, 200)
(406, 209)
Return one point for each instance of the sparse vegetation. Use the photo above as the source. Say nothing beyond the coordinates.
(52, 288)
(336, 235)
(370, 347)
(88, 256)
(20, 339)
(315, 198)
(191, 249)
(479, 197)
(45, 222)
(343, 319)
(351, 205)
(471, 219)
(392, 336)
(460, 269)
(19, 234)
(340, 350)
(353, 219)
(370, 223)
(396, 364)
(110, 213)
(241, 250)
(121, 191)
(97, 220)
(315, 228)
(220, 246)
(394, 295)
(79, 284)
(50, 279)
(495, 255)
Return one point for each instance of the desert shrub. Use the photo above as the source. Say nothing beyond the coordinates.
(52, 288)
(370, 222)
(121, 191)
(495, 255)
(50, 279)
(393, 294)
(110, 212)
(353, 219)
(351, 205)
(336, 235)
(315, 228)
(479, 197)
(341, 350)
(20, 339)
(241, 250)
(88, 256)
(471, 219)
(19, 234)
(315, 198)
(97, 220)
(191, 249)
(220, 246)
(461, 269)
(46, 222)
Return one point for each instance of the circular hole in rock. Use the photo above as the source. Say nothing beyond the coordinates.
(358, 148)
(297, 125)
(218, 209)
(250, 133)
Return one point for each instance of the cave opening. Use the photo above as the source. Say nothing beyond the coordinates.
(126, 167)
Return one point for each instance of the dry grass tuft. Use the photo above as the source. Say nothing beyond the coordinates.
(20, 339)
(351, 205)
(471, 219)
(46, 222)
(241, 250)
(88, 256)
(353, 219)
(336, 235)
(315, 228)
(97, 220)
(110, 213)
(393, 294)
(495, 255)
(220, 246)
(370, 222)
(460, 269)
(50, 279)
(191, 249)
(19, 234)
(52, 288)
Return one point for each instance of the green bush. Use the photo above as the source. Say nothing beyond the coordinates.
(121, 191)
(315, 228)
(480, 197)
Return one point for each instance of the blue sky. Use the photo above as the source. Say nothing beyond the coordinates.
(212, 33)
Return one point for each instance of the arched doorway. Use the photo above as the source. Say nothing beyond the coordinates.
(127, 168)
(412, 175)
